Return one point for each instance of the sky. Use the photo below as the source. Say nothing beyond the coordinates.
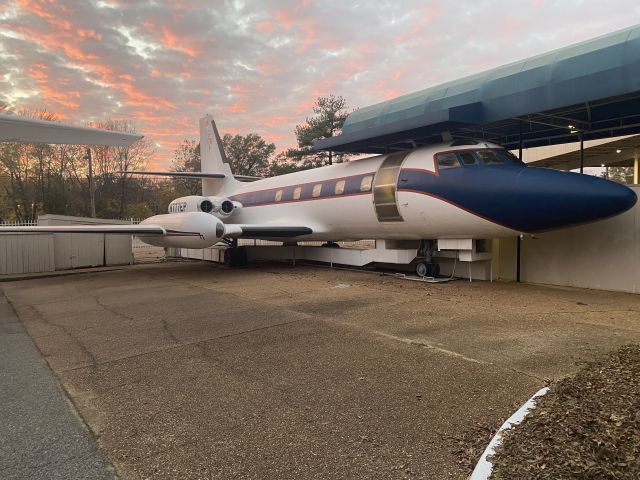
(258, 66)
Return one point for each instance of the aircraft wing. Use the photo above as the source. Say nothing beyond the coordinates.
(117, 229)
(231, 230)
(31, 130)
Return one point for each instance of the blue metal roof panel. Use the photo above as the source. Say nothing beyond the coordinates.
(608, 66)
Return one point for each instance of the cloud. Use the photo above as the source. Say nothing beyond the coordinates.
(258, 66)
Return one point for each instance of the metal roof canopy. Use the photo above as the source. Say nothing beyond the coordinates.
(34, 130)
(621, 152)
(593, 86)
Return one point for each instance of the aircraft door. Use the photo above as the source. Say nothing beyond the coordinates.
(385, 184)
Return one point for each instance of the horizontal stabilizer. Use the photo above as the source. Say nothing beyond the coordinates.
(31, 130)
(242, 178)
(247, 178)
(177, 174)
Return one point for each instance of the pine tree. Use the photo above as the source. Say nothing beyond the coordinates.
(330, 112)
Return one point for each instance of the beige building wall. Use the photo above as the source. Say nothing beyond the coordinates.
(602, 255)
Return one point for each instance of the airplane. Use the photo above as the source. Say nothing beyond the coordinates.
(459, 189)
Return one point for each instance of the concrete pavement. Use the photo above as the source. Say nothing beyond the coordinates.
(197, 371)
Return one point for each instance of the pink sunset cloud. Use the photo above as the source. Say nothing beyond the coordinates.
(259, 66)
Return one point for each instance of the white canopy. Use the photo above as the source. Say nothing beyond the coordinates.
(31, 130)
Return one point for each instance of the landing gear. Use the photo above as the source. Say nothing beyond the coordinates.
(235, 257)
(427, 269)
(331, 245)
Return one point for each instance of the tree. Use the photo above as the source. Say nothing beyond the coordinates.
(112, 187)
(622, 175)
(186, 158)
(248, 154)
(330, 112)
(29, 169)
(281, 165)
(40, 178)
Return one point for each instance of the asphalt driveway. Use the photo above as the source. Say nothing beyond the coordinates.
(193, 370)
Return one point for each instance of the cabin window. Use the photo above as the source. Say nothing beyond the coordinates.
(278, 195)
(296, 193)
(447, 160)
(339, 187)
(467, 158)
(488, 156)
(365, 184)
(316, 190)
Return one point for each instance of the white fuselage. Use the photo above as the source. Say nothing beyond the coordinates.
(353, 216)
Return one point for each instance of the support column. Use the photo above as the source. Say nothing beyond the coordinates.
(518, 239)
(520, 142)
(92, 198)
(635, 168)
(581, 153)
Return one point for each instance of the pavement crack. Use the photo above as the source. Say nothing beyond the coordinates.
(111, 310)
(165, 329)
(196, 343)
(81, 346)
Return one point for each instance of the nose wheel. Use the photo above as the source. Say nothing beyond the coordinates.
(427, 269)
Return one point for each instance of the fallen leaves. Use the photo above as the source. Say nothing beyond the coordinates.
(586, 427)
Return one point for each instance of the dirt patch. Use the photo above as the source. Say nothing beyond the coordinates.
(586, 427)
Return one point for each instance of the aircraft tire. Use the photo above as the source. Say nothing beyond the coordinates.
(241, 257)
(228, 257)
(421, 269)
(427, 269)
(434, 269)
(235, 257)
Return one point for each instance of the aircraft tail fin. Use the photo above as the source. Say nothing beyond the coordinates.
(213, 160)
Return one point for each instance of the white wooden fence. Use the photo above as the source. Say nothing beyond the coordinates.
(24, 223)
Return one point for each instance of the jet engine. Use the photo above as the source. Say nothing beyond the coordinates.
(185, 230)
(221, 207)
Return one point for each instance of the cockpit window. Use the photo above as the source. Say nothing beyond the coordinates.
(507, 156)
(447, 160)
(489, 157)
(486, 156)
(467, 158)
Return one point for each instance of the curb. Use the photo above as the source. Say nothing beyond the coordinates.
(484, 467)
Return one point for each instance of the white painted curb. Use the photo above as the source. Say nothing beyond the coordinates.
(484, 466)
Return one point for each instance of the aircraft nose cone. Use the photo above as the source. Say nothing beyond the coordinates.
(566, 199)
(616, 198)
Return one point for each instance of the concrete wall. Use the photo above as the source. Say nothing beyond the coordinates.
(603, 255)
